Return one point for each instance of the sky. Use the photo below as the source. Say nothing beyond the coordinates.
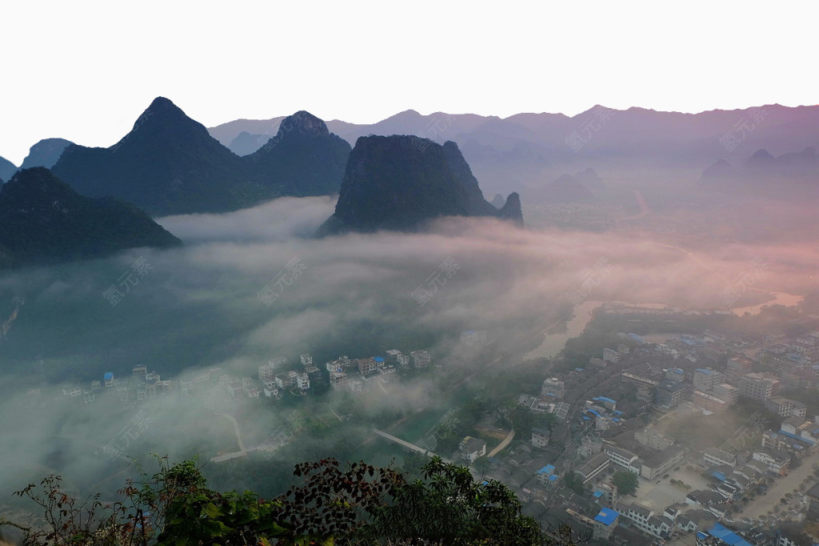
(84, 70)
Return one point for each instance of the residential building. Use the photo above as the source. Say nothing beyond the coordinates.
(656, 463)
(604, 524)
(303, 381)
(623, 457)
(714, 456)
(471, 448)
(306, 360)
(776, 462)
(366, 366)
(540, 437)
(553, 387)
(397, 358)
(726, 392)
(758, 386)
(593, 467)
(675, 374)
(669, 393)
(785, 407)
(705, 379)
(266, 373)
(610, 355)
(645, 520)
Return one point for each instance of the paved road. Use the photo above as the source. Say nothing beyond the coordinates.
(408, 445)
(760, 505)
(505, 442)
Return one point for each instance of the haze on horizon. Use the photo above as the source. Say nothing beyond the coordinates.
(86, 81)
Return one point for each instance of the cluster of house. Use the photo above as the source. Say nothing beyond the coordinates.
(660, 525)
(550, 400)
(352, 374)
(141, 385)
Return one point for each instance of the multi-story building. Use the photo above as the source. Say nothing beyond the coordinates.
(266, 373)
(540, 437)
(727, 393)
(397, 358)
(714, 456)
(645, 520)
(758, 386)
(775, 462)
(553, 387)
(657, 463)
(669, 393)
(785, 407)
(303, 381)
(623, 458)
(604, 524)
(705, 379)
(593, 468)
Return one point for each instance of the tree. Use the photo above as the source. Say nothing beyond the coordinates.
(481, 466)
(625, 481)
(330, 505)
(573, 482)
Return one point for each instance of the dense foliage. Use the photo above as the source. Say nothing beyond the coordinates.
(330, 505)
(625, 481)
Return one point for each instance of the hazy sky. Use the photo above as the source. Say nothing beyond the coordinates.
(84, 70)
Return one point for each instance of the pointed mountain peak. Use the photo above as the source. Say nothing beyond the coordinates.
(161, 110)
(512, 209)
(302, 123)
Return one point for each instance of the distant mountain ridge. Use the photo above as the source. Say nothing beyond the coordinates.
(45, 153)
(514, 152)
(43, 221)
(7, 169)
(169, 164)
(400, 182)
(783, 174)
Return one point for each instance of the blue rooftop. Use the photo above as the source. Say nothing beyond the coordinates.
(604, 399)
(597, 494)
(606, 516)
(586, 418)
(553, 478)
(379, 359)
(706, 371)
(548, 469)
(727, 536)
(108, 376)
(578, 369)
(594, 412)
(795, 437)
(718, 475)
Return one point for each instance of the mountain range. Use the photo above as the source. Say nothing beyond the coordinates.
(7, 169)
(527, 150)
(169, 164)
(45, 153)
(785, 174)
(400, 182)
(43, 221)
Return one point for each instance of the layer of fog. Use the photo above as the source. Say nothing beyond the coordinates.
(251, 285)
